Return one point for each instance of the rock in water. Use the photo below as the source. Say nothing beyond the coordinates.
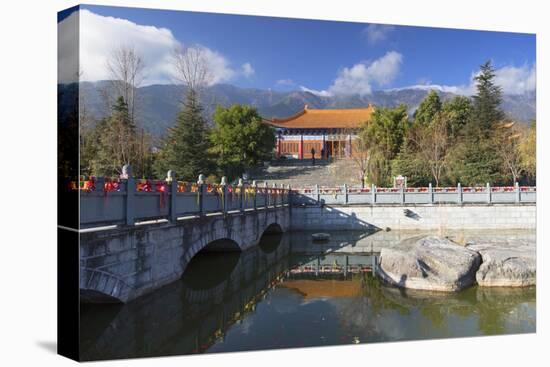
(429, 263)
(320, 236)
(506, 263)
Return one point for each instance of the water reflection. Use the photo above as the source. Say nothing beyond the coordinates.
(290, 292)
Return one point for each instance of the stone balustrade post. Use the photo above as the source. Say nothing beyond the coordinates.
(317, 194)
(266, 201)
(201, 188)
(345, 189)
(130, 193)
(402, 194)
(173, 191)
(255, 188)
(431, 193)
(276, 196)
(223, 184)
(373, 194)
(459, 193)
(488, 190)
(241, 195)
(518, 192)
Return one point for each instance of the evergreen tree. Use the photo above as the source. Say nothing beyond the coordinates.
(429, 107)
(185, 149)
(486, 110)
(408, 163)
(117, 141)
(475, 159)
(475, 164)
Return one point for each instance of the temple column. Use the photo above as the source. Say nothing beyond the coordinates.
(323, 147)
(301, 147)
(278, 145)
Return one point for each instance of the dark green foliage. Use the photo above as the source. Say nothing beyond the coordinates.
(384, 135)
(112, 143)
(459, 112)
(461, 140)
(185, 149)
(486, 110)
(408, 163)
(429, 107)
(240, 140)
(90, 143)
(475, 163)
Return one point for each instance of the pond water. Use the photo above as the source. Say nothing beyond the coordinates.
(290, 292)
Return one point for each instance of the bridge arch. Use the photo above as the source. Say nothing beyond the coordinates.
(221, 245)
(130, 261)
(97, 286)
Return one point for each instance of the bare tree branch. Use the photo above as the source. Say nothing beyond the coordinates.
(125, 68)
(191, 67)
(432, 144)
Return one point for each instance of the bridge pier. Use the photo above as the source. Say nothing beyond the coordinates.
(124, 263)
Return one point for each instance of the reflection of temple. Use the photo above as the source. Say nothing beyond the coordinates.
(334, 263)
(329, 131)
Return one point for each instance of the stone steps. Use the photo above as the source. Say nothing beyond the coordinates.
(303, 173)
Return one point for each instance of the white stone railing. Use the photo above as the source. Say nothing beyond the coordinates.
(126, 201)
(318, 195)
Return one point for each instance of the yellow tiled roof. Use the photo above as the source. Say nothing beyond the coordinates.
(311, 119)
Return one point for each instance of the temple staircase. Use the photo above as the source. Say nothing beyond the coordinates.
(299, 173)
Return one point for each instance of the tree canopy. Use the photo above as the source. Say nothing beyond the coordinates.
(428, 108)
(185, 149)
(240, 140)
(461, 140)
(384, 135)
(486, 110)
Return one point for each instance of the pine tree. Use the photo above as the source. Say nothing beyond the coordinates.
(117, 141)
(185, 149)
(486, 103)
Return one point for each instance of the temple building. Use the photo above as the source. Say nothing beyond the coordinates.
(326, 131)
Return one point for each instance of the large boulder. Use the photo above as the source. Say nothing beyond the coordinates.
(506, 263)
(429, 263)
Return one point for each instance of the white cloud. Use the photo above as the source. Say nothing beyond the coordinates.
(516, 80)
(100, 35)
(376, 33)
(512, 80)
(359, 78)
(218, 66)
(322, 93)
(285, 82)
(247, 70)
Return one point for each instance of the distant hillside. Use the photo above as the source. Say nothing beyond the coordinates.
(158, 105)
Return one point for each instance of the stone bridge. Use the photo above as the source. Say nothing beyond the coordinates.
(124, 263)
(138, 236)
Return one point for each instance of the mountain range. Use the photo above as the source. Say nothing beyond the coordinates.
(157, 105)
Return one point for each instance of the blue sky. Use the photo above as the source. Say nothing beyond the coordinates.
(326, 57)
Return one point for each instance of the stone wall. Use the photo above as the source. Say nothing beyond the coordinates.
(414, 217)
